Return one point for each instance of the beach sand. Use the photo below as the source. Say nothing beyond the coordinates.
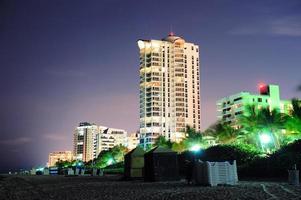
(110, 187)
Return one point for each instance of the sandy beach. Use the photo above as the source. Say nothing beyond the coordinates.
(110, 187)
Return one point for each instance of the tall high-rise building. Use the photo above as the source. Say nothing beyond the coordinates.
(231, 108)
(85, 143)
(169, 88)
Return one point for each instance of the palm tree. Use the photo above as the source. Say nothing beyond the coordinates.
(257, 121)
(293, 124)
(224, 133)
(250, 126)
(274, 122)
(162, 141)
(193, 137)
(296, 112)
(193, 134)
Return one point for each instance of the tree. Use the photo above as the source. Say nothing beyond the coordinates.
(179, 146)
(192, 138)
(162, 141)
(293, 124)
(296, 112)
(118, 153)
(109, 157)
(64, 164)
(259, 121)
(224, 134)
(274, 122)
(250, 126)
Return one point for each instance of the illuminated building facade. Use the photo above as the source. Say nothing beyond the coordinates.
(54, 157)
(169, 88)
(132, 141)
(84, 141)
(107, 138)
(90, 139)
(232, 107)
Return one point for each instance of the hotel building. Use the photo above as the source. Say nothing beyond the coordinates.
(169, 88)
(232, 107)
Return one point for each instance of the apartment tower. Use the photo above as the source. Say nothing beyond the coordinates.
(169, 88)
(84, 140)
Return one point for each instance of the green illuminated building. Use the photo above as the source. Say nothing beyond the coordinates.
(232, 107)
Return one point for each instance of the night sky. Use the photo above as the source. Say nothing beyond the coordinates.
(66, 61)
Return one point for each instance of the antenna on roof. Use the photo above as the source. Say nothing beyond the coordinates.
(171, 33)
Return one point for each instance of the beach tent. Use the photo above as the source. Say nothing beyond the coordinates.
(134, 163)
(161, 164)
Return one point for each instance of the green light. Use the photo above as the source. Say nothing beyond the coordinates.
(265, 138)
(110, 161)
(40, 169)
(195, 148)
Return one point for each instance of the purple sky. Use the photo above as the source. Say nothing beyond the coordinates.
(68, 61)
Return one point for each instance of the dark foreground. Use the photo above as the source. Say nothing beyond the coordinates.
(86, 188)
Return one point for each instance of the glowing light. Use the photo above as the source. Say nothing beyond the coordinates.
(195, 148)
(79, 164)
(141, 44)
(261, 85)
(265, 138)
(110, 161)
(40, 169)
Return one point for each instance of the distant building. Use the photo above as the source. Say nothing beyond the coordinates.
(109, 137)
(85, 142)
(90, 139)
(132, 141)
(232, 107)
(59, 155)
(169, 88)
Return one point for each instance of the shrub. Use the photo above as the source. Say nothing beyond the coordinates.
(242, 153)
(276, 164)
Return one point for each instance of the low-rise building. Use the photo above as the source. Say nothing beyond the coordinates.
(232, 107)
(56, 156)
(110, 137)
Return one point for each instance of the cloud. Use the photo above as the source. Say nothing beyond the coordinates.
(284, 26)
(16, 141)
(55, 137)
(63, 73)
(290, 26)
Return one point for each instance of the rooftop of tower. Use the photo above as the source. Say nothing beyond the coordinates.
(172, 37)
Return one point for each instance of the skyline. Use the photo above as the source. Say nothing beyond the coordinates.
(65, 64)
